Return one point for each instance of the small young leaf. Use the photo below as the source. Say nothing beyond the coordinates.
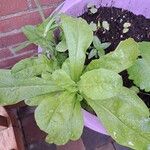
(92, 53)
(125, 30)
(126, 24)
(105, 45)
(93, 26)
(100, 46)
(105, 25)
(62, 46)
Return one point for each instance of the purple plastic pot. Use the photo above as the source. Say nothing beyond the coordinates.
(77, 8)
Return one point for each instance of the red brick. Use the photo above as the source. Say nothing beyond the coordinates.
(19, 21)
(47, 2)
(4, 53)
(9, 62)
(12, 39)
(12, 6)
(31, 47)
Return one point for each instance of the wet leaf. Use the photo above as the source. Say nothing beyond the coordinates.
(130, 117)
(100, 83)
(13, 90)
(122, 58)
(31, 67)
(56, 117)
(78, 36)
(140, 71)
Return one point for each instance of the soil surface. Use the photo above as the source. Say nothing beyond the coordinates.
(139, 30)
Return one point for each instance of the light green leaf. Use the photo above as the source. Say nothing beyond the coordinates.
(92, 53)
(98, 45)
(54, 116)
(77, 120)
(78, 36)
(66, 67)
(64, 81)
(140, 71)
(100, 83)
(50, 25)
(13, 90)
(61, 47)
(35, 35)
(122, 58)
(35, 101)
(33, 67)
(126, 119)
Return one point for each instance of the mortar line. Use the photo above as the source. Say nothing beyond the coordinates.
(28, 11)
(15, 56)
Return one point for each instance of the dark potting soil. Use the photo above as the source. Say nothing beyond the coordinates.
(139, 31)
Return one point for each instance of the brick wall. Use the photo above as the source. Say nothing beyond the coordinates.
(13, 15)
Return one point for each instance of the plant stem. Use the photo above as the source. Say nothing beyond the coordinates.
(37, 2)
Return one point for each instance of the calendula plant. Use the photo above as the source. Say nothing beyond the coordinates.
(58, 90)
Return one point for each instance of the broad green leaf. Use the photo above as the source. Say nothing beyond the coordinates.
(122, 58)
(61, 47)
(64, 81)
(100, 83)
(54, 116)
(13, 90)
(33, 67)
(126, 119)
(78, 36)
(140, 71)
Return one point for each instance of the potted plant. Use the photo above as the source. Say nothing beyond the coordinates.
(60, 81)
